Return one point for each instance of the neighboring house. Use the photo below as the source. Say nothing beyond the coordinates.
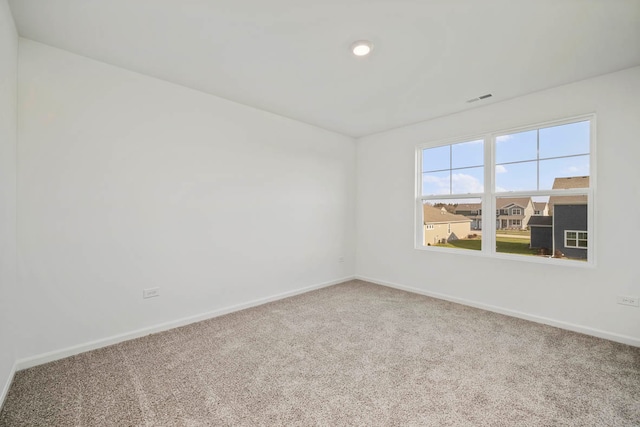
(513, 212)
(473, 211)
(443, 226)
(565, 184)
(570, 230)
(566, 228)
(540, 209)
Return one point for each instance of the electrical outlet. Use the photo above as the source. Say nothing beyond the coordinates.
(150, 292)
(626, 300)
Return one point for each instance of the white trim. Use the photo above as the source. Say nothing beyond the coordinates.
(5, 388)
(591, 197)
(561, 192)
(551, 123)
(612, 336)
(39, 359)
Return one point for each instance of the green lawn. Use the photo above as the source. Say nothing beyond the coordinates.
(504, 244)
(515, 232)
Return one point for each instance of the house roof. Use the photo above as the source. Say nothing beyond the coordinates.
(565, 184)
(540, 221)
(571, 182)
(433, 215)
(503, 202)
(539, 206)
(468, 207)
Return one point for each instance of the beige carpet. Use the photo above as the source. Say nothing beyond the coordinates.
(351, 354)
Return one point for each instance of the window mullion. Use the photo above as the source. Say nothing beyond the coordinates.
(489, 204)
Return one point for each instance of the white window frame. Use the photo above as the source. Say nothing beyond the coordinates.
(577, 239)
(429, 226)
(513, 211)
(489, 196)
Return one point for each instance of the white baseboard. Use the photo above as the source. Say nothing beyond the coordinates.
(5, 387)
(624, 339)
(92, 345)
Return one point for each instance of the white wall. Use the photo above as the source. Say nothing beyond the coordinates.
(127, 182)
(8, 140)
(580, 298)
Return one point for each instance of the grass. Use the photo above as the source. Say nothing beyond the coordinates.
(514, 246)
(515, 232)
(504, 244)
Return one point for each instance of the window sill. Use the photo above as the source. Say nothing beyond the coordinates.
(520, 258)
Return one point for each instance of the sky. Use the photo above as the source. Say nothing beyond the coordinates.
(521, 164)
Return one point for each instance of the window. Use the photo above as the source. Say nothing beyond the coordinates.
(575, 239)
(451, 183)
(513, 172)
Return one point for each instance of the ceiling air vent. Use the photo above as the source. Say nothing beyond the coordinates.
(479, 98)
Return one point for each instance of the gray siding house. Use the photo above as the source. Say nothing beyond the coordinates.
(566, 229)
(570, 230)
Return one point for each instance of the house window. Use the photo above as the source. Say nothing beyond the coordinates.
(448, 228)
(575, 239)
(549, 164)
(429, 226)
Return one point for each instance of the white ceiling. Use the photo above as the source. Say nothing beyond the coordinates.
(291, 57)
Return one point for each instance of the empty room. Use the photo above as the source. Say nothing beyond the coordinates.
(367, 213)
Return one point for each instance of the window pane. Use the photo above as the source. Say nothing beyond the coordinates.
(512, 234)
(436, 183)
(468, 180)
(577, 166)
(516, 177)
(561, 235)
(565, 140)
(467, 154)
(434, 159)
(570, 220)
(455, 224)
(517, 147)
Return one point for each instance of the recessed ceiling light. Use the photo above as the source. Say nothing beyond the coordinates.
(361, 47)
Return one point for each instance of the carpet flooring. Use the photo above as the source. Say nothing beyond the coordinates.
(351, 354)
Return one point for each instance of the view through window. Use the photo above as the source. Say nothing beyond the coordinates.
(538, 185)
